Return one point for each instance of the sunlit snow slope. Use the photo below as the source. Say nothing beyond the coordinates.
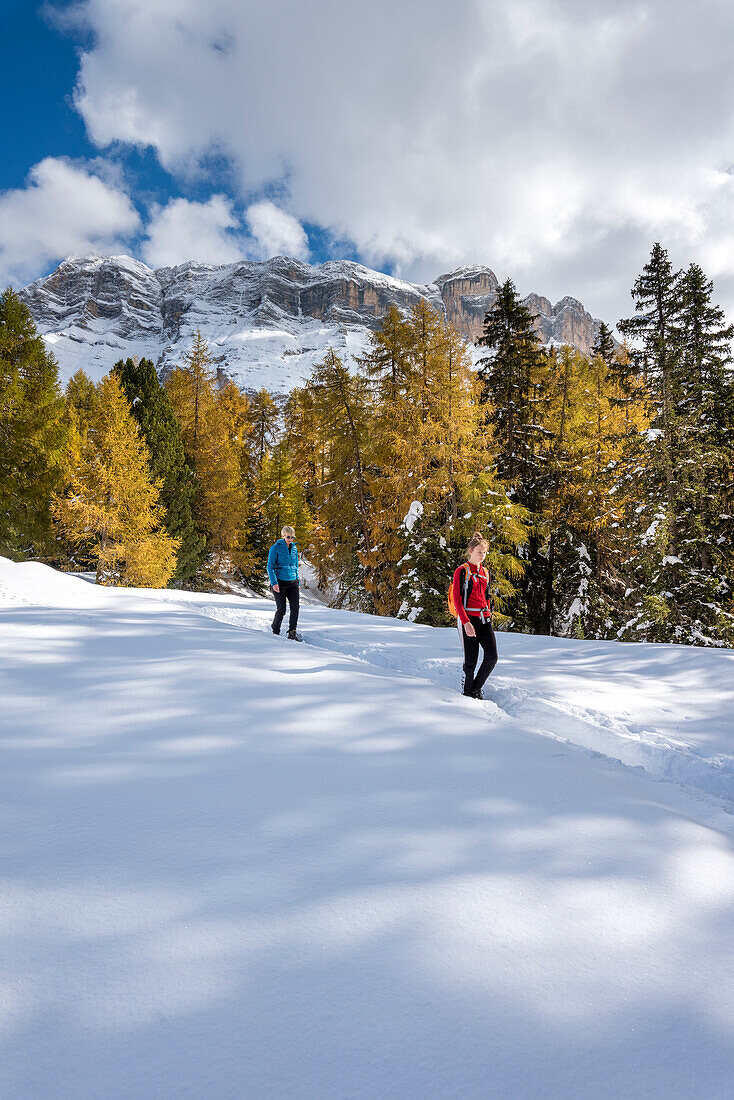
(234, 866)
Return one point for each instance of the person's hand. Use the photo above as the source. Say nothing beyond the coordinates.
(276, 588)
(469, 628)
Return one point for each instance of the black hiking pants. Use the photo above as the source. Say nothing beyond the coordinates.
(289, 591)
(486, 639)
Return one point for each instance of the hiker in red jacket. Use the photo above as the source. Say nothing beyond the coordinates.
(471, 603)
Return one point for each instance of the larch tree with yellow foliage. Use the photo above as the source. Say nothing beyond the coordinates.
(457, 489)
(327, 429)
(390, 370)
(211, 423)
(32, 433)
(110, 504)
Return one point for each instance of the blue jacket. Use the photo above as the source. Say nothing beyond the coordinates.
(283, 562)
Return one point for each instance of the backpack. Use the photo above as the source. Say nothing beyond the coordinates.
(468, 576)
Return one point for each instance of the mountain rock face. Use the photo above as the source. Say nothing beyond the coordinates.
(266, 323)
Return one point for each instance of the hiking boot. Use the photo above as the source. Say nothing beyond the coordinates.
(276, 632)
(468, 690)
(477, 694)
(294, 636)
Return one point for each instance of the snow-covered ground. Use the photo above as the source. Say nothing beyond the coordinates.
(234, 866)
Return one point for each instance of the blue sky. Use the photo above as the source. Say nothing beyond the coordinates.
(38, 72)
(552, 142)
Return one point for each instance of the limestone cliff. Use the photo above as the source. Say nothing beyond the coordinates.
(266, 323)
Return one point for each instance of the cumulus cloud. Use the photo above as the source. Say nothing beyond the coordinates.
(552, 139)
(275, 233)
(183, 230)
(65, 209)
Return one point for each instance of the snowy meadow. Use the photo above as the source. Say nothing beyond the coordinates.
(234, 866)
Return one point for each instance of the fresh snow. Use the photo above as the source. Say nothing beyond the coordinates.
(414, 514)
(257, 358)
(234, 866)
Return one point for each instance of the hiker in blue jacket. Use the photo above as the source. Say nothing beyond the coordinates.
(283, 574)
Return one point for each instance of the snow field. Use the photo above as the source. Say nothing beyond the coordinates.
(668, 709)
(235, 866)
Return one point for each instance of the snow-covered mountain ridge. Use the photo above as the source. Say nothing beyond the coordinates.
(266, 322)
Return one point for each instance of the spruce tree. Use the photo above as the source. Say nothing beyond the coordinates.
(433, 547)
(151, 407)
(564, 510)
(656, 326)
(617, 419)
(604, 347)
(682, 584)
(513, 390)
(32, 433)
(706, 417)
(427, 568)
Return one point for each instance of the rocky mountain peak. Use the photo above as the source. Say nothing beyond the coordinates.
(266, 322)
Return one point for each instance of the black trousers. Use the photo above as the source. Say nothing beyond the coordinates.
(289, 591)
(486, 639)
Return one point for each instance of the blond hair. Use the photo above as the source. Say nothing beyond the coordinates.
(288, 531)
(477, 539)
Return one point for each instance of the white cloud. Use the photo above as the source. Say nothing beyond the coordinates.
(553, 139)
(65, 209)
(275, 233)
(184, 230)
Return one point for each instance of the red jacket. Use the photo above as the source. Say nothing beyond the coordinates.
(471, 589)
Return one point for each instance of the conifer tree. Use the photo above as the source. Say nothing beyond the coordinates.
(617, 419)
(656, 325)
(81, 399)
(430, 462)
(326, 433)
(237, 410)
(423, 440)
(32, 433)
(510, 379)
(682, 585)
(427, 567)
(389, 367)
(564, 510)
(433, 549)
(151, 407)
(706, 415)
(264, 418)
(588, 426)
(280, 497)
(110, 504)
(513, 390)
(220, 506)
(81, 404)
(604, 347)
(705, 477)
(246, 424)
